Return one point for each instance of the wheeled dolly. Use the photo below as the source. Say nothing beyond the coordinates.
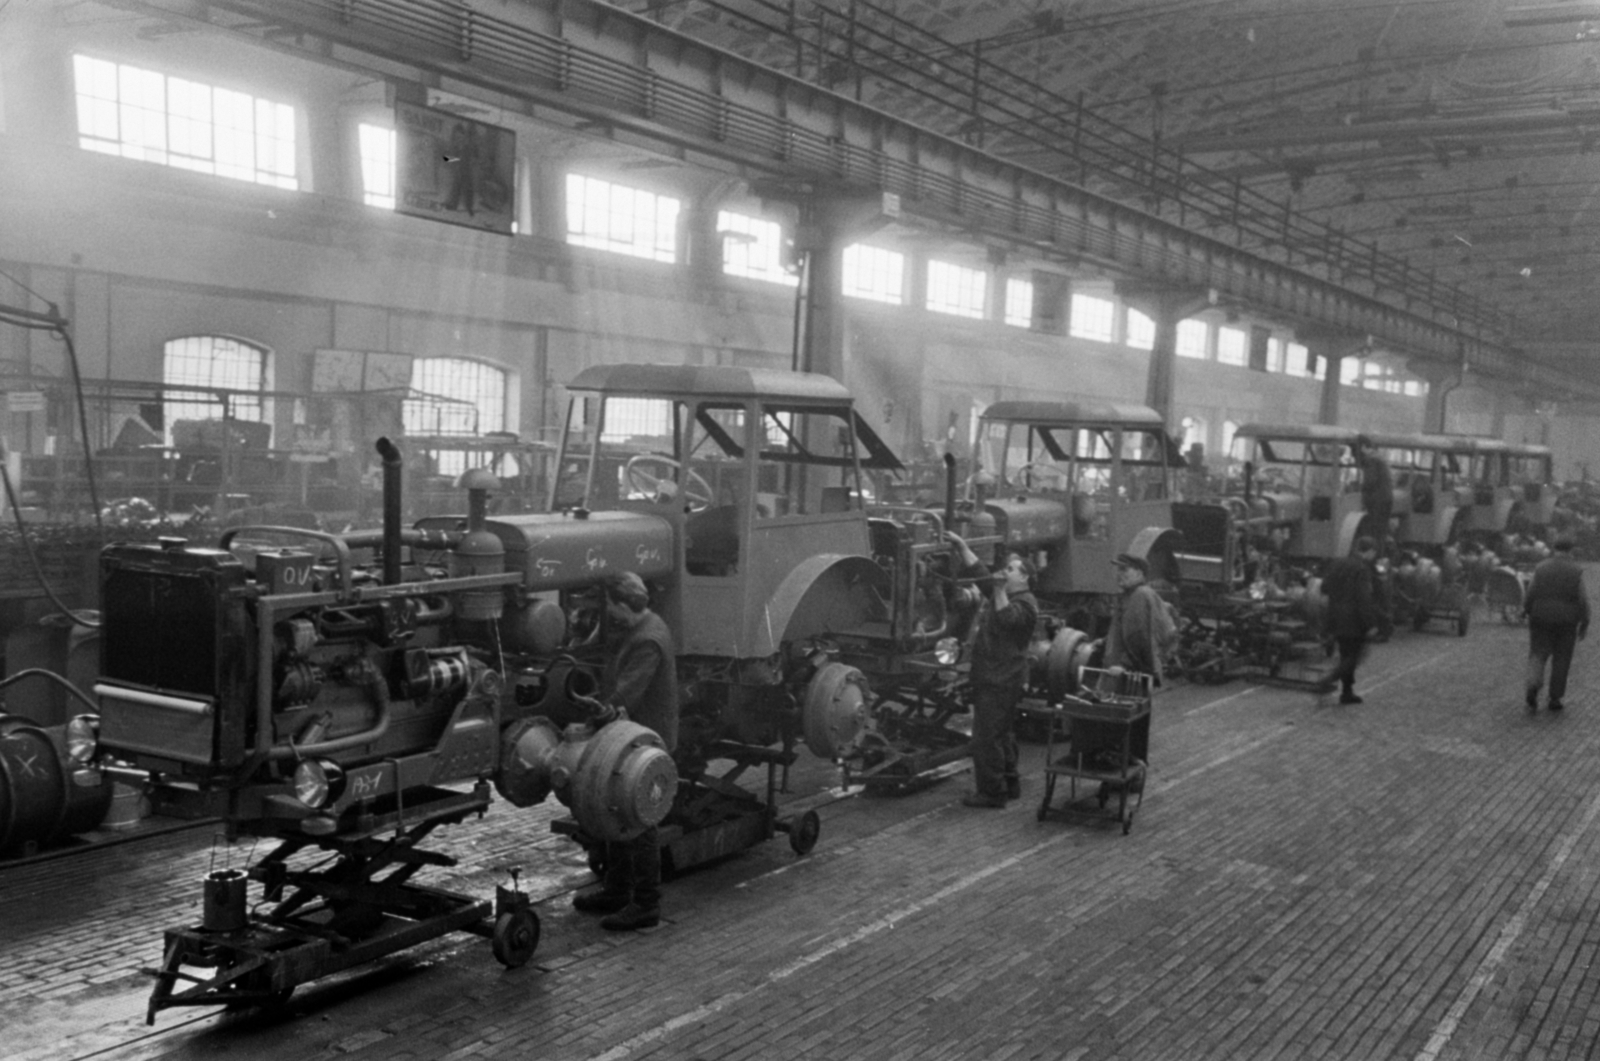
(713, 816)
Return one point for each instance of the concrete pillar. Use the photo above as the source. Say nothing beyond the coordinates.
(1333, 347)
(1166, 306)
(1442, 378)
(829, 224)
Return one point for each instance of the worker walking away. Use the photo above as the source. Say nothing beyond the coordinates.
(999, 672)
(1350, 587)
(1557, 607)
(640, 682)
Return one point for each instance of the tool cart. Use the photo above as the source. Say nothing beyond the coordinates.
(1100, 735)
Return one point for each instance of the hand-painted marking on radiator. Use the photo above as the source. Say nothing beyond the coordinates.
(366, 782)
(645, 554)
(1508, 935)
(594, 560)
(545, 568)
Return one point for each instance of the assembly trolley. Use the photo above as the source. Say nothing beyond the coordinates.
(1099, 735)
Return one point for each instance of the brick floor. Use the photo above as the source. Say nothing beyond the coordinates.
(1413, 877)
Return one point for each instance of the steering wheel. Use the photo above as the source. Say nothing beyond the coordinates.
(696, 490)
(1018, 476)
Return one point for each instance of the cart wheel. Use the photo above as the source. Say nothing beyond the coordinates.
(804, 831)
(1463, 621)
(516, 936)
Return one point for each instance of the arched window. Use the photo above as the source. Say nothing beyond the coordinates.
(218, 363)
(454, 396)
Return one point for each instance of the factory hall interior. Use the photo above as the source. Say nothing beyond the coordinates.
(773, 530)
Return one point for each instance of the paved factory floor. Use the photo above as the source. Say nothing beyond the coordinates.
(1415, 877)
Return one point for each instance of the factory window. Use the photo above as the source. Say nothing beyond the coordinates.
(1233, 346)
(1298, 360)
(1141, 331)
(753, 248)
(1350, 372)
(1415, 388)
(615, 217)
(874, 273)
(229, 369)
(957, 290)
(1092, 317)
(637, 418)
(1019, 303)
(146, 115)
(377, 165)
(1192, 338)
(453, 396)
(1275, 354)
(1194, 432)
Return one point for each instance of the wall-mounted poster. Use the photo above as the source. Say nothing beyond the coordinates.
(454, 169)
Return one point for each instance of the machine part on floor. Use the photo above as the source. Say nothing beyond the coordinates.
(50, 787)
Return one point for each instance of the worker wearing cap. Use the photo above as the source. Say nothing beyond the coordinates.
(999, 672)
(1141, 627)
(640, 682)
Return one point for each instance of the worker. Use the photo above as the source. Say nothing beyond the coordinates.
(1350, 587)
(998, 674)
(640, 683)
(1557, 608)
(1142, 630)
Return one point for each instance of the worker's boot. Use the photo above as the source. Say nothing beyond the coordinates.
(615, 889)
(632, 917)
(645, 910)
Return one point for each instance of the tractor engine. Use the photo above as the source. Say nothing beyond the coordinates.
(293, 688)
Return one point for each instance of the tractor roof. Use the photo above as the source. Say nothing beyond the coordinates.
(1072, 414)
(710, 381)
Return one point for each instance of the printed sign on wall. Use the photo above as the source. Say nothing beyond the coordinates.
(454, 169)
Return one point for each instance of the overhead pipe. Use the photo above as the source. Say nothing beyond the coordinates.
(1317, 135)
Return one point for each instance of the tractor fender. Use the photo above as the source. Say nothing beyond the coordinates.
(823, 594)
(1349, 530)
(1158, 547)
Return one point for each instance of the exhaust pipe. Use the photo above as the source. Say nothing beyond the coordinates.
(393, 470)
(949, 489)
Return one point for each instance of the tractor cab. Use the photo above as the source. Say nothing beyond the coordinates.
(1303, 481)
(1076, 483)
(1444, 485)
(761, 472)
(1528, 470)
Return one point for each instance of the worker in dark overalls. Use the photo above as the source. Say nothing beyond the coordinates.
(640, 682)
(998, 674)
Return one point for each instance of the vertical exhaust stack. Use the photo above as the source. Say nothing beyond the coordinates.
(949, 490)
(393, 470)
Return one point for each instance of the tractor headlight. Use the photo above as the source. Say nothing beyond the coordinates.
(947, 650)
(318, 782)
(83, 738)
